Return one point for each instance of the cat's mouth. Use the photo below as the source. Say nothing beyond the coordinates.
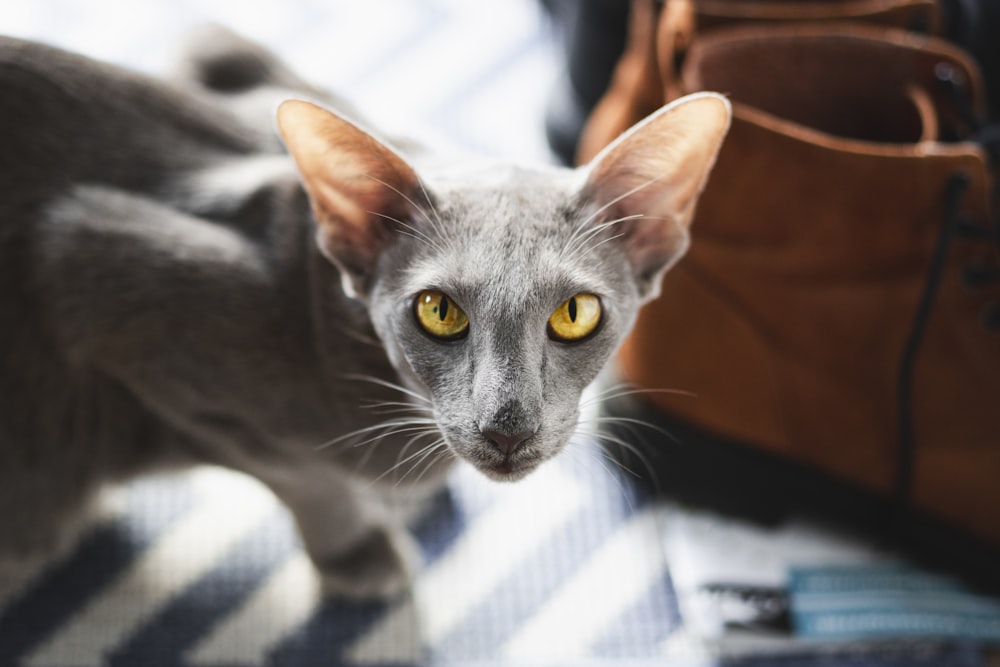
(506, 467)
(508, 470)
(496, 464)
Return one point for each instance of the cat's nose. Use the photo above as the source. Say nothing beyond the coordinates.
(507, 443)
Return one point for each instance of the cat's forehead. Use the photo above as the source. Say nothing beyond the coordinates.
(479, 183)
(448, 172)
(507, 210)
(503, 231)
(503, 200)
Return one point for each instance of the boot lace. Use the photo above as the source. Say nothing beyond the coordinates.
(955, 226)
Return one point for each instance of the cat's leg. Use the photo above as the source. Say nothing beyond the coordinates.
(355, 546)
(358, 548)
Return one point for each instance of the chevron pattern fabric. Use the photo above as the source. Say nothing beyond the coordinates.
(204, 569)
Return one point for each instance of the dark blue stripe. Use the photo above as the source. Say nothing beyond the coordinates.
(340, 623)
(642, 629)
(323, 639)
(191, 616)
(96, 563)
(611, 499)
(440, 525)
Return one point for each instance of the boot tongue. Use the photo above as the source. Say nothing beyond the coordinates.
(837, 83)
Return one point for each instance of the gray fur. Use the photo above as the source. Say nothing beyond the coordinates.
(510, 270)
(164, 303)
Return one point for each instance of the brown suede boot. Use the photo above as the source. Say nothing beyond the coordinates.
(916, 15)
(840, 304)
(661, 31)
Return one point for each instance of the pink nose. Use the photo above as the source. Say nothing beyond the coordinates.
(507, 443)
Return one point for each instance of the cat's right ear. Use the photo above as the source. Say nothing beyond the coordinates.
(360, 189)
(645, 185)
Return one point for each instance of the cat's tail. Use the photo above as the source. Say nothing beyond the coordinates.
(222, 61)
(244, 76)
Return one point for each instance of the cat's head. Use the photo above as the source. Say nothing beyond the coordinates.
(499, 291)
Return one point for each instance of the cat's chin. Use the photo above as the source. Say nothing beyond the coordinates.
(507, 471)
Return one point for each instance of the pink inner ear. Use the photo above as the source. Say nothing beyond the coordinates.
(357, 184)
(654, 245)
(660, 166)
(651, 228)
(657, 170)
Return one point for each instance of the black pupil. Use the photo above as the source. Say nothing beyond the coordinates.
(442, 310)
(571, 307)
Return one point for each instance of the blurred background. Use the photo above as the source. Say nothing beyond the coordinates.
(469, 74)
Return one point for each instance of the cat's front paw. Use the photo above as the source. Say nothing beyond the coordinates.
(379, 565)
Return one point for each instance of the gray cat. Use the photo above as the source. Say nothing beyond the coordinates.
(171, 294)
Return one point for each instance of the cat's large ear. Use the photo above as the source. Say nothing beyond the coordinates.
(360, 189)
(650, 178)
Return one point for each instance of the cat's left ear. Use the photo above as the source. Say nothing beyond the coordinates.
(360, 189)
(650, 179)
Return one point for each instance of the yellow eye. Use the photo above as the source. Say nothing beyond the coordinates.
(439, 316)
(576, 318)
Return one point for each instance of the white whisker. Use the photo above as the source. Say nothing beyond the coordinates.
(582, 233)
(631, 422)
(411, 231)
(395, 407)
(415, 428)
(420, 433)
(600, 458)
(404, 196)
(625, 195)
(387, 427)
(426, 457)
(406, 460)
(438, 226)
(626, 389)
(577, 245)
(441, 453)
(608, 439)
(387, 384)
(592, 248)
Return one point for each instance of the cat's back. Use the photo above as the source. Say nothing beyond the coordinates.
(74, 125)
(68, 119)
(77, 133)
